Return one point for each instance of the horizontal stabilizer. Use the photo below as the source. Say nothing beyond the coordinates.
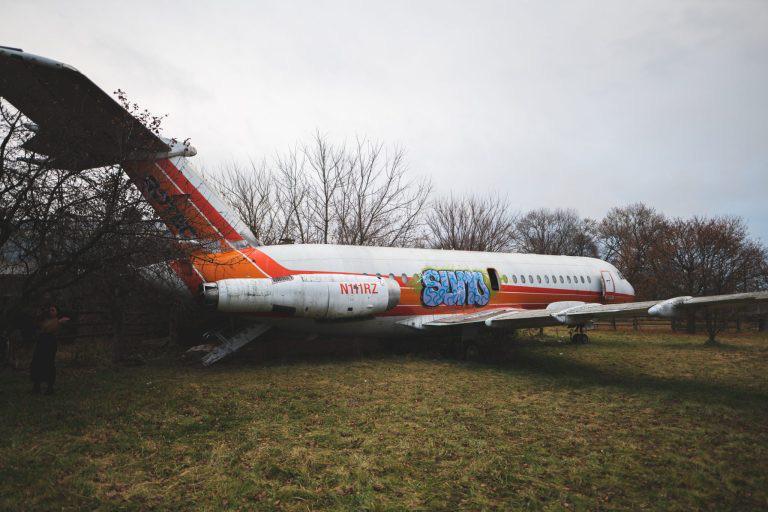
(78, 125)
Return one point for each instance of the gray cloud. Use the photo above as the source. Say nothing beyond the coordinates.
(577, 104)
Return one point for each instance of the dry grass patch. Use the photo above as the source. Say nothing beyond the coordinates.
(632, 421)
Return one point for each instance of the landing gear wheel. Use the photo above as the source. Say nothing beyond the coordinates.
(579, 338)
(472, 352)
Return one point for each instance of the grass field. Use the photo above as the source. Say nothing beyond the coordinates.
(631, 421)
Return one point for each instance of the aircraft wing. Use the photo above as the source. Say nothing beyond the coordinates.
(510, 318)
(78, 125)
(575, 313)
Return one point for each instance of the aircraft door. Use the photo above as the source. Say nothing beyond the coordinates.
(609, 286)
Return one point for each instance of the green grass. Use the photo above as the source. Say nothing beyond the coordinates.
(631, 421)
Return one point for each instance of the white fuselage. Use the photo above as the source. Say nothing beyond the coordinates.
(526, 281)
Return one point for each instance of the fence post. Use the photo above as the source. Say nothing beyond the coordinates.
(117, 318)
(691, 327)
(173, 323)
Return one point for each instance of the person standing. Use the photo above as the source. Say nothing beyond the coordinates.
(43, 368)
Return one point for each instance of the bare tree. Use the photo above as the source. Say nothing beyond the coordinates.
(708, 256)
(628, 237)
(253, 192)
(310, 177)
(60, 228)
(559, 231)
(702, 256)
(328, 170)
(325, 193)
(472, 223)
(378, 204)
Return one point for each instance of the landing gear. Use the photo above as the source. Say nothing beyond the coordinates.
(472, 352)
(467, 344)
(579, 337)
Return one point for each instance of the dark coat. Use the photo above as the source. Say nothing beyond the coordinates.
(43, 367)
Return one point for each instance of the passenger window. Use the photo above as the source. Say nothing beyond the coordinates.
(494, 279)
(554, 279)
(569, 279)
(530, 278)
(582, 278)
(538, 278)
(589, 279)
(546, 278)
(522, 279)
(404, 277)
(514, 278)
(575, 279)
(561, 280)
(391, 275)
(378, 274)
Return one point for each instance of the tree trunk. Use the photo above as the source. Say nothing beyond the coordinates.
(117, 317)
(7, 343)
(613, 324)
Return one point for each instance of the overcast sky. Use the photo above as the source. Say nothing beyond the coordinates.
(559, 104)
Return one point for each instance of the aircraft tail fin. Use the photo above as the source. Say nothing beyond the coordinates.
(186, 202)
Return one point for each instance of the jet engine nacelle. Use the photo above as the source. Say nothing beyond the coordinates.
(319, 296)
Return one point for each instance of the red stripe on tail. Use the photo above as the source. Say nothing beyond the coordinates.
(198, 199)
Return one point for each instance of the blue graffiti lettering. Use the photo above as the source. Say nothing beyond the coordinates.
(433, 292)
(454, 288)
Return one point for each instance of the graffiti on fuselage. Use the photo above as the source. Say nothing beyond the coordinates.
(454, 288)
